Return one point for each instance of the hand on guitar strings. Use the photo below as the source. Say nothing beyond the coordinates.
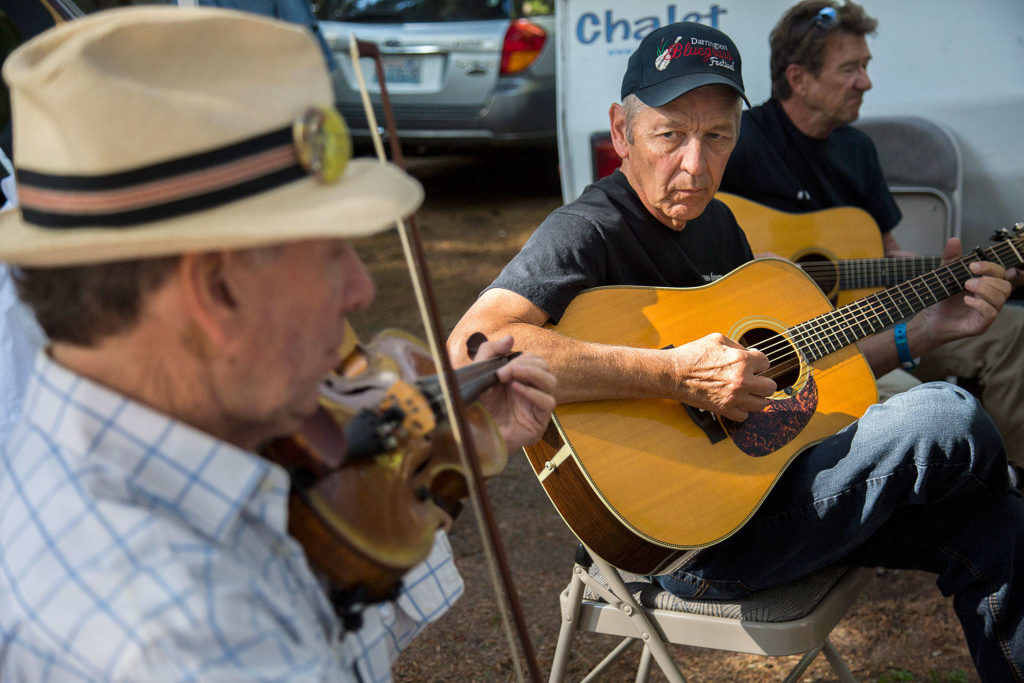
(718, 374)
(1015, 276)
(971, 312)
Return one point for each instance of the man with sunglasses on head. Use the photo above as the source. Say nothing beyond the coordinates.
(919, 481)
(797, 153)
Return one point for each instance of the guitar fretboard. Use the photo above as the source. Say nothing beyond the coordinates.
(818, 337)
(883, 272)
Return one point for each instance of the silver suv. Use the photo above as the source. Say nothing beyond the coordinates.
(459, 73)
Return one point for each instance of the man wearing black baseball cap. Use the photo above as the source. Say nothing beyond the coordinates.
(666, 66)
(928, 464)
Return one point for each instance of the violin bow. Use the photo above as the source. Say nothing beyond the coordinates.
(61, 10)
(412, 245)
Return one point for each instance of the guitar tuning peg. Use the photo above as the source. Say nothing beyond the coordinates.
(1001, 235)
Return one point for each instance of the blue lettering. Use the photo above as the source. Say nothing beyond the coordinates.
(611, 26)
(591, 18)
(590, 26)
(713, 15)
(644, 26)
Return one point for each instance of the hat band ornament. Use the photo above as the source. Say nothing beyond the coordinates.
(316, 144)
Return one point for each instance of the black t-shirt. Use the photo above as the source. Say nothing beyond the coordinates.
(778, 166)
(607, 237)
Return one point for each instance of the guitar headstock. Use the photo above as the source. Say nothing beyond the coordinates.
(1004, 234)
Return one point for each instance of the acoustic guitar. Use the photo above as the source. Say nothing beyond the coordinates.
(840, 248)
(644, 482)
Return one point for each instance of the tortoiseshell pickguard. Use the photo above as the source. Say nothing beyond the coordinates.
(779, 423)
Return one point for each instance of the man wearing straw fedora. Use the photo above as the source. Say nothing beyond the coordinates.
(181, 238)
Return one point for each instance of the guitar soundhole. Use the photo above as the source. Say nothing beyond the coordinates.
(785, 363)
(824, 272)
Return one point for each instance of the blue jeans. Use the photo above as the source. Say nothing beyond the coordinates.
(919, 482)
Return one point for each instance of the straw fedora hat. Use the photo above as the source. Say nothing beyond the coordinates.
(151, 131)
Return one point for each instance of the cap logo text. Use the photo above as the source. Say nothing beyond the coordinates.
(713, 53)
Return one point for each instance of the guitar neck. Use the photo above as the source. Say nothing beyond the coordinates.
(881, 272)
(818, 337)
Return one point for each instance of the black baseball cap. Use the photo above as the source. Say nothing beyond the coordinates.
(674, 59)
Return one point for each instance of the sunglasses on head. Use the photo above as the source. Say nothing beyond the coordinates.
(825, 19)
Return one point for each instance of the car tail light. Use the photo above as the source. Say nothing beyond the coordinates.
(523, 42)
(605, 158)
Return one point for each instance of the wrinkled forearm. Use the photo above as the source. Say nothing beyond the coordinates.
(586, 371)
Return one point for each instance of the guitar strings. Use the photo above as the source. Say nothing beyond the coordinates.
(856, 273)
(861, 313)
(877, 264)
(859, 319)
(824, 331)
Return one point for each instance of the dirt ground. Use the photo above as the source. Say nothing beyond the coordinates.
(477, 214)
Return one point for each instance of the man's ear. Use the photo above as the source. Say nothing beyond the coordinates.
(796, 76)
(207, 293)
(617, 123)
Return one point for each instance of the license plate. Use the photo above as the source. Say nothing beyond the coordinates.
(405, 71)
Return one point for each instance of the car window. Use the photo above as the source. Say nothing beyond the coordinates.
(402, 11)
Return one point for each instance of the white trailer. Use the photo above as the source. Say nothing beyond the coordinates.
(959, 64)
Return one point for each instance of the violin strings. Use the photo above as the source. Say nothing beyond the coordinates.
(478, 376)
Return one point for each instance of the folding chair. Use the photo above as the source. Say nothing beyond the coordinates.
(922, 165)
(792, 619)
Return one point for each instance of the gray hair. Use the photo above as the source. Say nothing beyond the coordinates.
(631, 107)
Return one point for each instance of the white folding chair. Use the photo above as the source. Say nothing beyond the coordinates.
(922, 165)
(792, 619)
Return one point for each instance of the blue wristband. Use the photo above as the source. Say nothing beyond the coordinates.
(907, 361)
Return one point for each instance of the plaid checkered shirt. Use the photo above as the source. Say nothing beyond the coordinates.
(134, 547)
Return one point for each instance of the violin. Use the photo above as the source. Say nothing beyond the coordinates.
(375, 471)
